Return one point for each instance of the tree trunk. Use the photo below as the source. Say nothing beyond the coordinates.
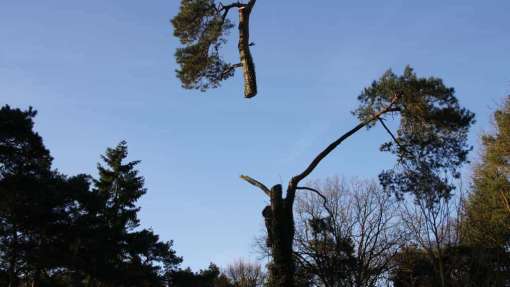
(13, 276)
(36, 282)
(442, 276)
(250, 81)
(280, 229)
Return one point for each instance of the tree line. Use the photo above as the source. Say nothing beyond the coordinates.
(416, 226)
(59, 230)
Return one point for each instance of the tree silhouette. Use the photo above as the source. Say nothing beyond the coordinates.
(211, 277)
(430, 145)
(127, 257)
(58, 231)
(24, 164)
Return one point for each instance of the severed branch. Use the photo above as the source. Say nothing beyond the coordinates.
(257, 183)
(315, 162)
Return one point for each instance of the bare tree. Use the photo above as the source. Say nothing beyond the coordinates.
(434, 227)
(347, 235)
(245, 274)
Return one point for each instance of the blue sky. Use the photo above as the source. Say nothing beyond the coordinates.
(102, 71)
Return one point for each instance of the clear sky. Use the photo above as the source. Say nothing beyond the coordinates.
(102, 71)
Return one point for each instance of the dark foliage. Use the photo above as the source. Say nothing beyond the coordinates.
(464, 267)
(211, 277)
(58, 231)
(430, 143)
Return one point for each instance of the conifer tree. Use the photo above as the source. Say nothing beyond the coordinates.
(24, 164)
(487, 219)
(127, 257)
(120, 187)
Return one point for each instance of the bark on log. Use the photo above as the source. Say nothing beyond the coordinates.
(250, 81)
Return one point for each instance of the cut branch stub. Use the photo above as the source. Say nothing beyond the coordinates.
(257, 183)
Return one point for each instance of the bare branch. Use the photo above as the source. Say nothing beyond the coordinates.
(393, 136)
(324, 199)
(296, 179)
(256, 183)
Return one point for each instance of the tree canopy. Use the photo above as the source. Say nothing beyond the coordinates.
(431, 140)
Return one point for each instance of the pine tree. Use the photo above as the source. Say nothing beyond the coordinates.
(202, 27)
(24, 164)
(488, 207)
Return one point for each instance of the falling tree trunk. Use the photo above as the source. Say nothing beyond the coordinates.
(250, 81)
(280, 229)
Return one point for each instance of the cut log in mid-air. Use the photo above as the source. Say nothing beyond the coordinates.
(202, 27)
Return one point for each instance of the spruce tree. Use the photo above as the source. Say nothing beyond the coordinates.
(127, 257)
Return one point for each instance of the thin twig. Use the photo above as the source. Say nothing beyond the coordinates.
(324, 199)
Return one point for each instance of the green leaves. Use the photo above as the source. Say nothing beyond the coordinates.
(201, 28)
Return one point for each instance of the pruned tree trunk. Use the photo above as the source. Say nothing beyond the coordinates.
(280, 229)
(250, 81)
(279, 217)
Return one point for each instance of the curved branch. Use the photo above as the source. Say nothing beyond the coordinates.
(256, 183)
(324, 199)
(315, 162)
